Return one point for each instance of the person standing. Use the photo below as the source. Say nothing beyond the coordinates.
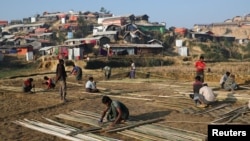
(116, 111)
(200, 66)
(61, 77)
(132, 69)
(223, 79)
(77, 71)
(107, 72)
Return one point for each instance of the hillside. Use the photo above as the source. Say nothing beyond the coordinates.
(237, 32)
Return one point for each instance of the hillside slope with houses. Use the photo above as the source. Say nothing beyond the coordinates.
(57, 34)
(238, 27)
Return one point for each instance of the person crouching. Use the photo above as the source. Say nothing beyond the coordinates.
(91, 86)
(49, 82)
(27, 85)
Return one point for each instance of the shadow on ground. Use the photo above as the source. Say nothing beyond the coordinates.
(151, 115)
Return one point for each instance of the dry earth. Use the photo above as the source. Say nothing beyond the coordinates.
(154, 97)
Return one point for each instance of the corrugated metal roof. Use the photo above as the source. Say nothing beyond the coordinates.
(35, 24)
(14, 26)
(80, 39)
(8, 36)
(46, 48)
(10, 40)
(136, 45)
(45, 34)
(105, 33)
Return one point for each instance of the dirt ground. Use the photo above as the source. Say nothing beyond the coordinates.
(146, 98)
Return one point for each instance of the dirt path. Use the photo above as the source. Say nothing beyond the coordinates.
(146, 99)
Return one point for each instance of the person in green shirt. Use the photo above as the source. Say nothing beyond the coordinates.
(116, 111)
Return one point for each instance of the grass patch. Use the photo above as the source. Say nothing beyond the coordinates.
(14, 66)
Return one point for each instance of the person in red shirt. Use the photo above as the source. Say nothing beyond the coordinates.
(200, 66)
(49, 82)
(27, 85)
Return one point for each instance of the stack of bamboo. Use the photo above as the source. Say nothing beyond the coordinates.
(62, 131)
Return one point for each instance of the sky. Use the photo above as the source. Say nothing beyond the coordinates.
(177, 13)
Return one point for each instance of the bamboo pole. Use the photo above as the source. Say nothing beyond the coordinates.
(103, 138)
(84, 130)
(61, 130)
(212, 109)
(157, 133)
(190, 122)
(61, 124)
(47, 131)
(140, 136)
(88, 113)
(134, 125)
(84, 116)
(233, 117)
(232, 111)
(78, 119)
(176, 132)
(50, 127)
(88, 138)
(182, 130)
(220, 119)
(76, 130)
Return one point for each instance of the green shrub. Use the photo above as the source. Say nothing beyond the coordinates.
(125, 62)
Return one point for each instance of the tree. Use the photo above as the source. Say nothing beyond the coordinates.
(83, 28)
(247, 49)
(58, 37)
(103, 10)
(233, 50)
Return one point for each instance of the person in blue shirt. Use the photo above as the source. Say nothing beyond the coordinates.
(77, 71)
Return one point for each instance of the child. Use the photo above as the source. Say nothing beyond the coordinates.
(90, 86)
(27, 85)
(49, 82)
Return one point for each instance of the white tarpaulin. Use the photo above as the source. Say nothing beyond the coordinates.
(183, 51)
(178, 43)
(29, 56)
(71, 54)
(78, 53)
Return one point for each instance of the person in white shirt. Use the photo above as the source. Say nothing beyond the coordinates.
(132, 69)
(107, 72)
(90, 85)
(206, 94)
(223, 79)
